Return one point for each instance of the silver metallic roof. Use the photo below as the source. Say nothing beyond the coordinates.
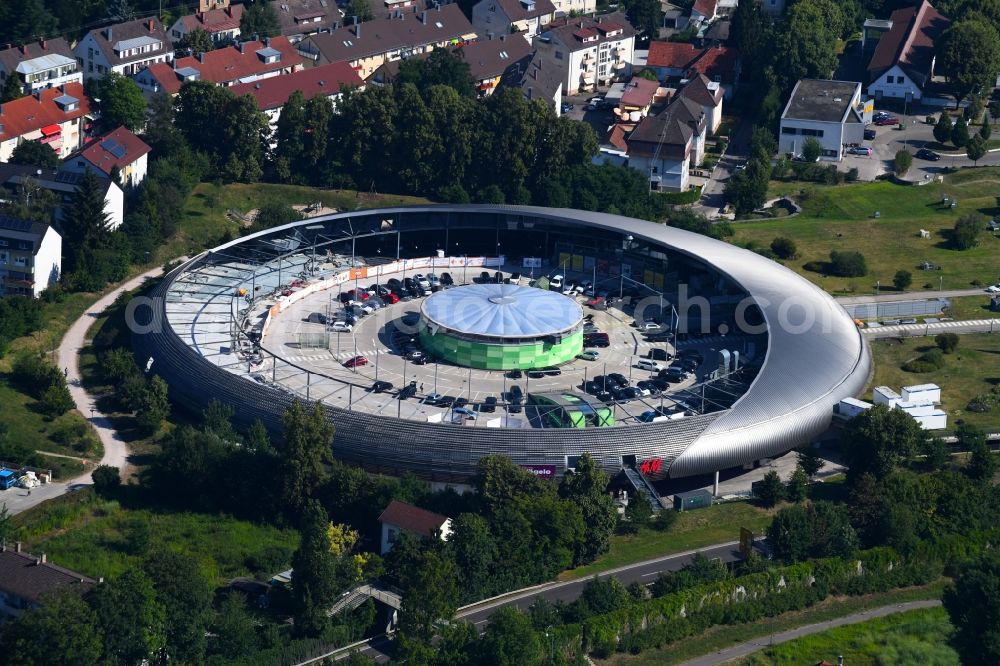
(502, 310)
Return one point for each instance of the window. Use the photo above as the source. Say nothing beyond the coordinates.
(23, 245)
(20, 261)
(3, 243)
(789, 130)
(3, 257)
(811, 132)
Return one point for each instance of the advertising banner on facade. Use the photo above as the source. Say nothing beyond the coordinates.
(542, 471)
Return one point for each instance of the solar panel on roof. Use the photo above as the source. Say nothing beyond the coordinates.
(14, 224)
(113, 147)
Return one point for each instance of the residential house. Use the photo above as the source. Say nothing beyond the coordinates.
(54, 116)
(20, 180)
(540, 80)
(634, 97)
(903, 63)
(228, 66)
(30, 263)
(574, 7)
(300, 18)
(125, 48)
(489, 60)
(703, 11)
(675, 19)
(402, 517)
(680, 61)
(501, 17)
(666, 145)
(326, 80)
(120, 151)
(709, 94)
(400, 34)
(40, 65)
(25, 580)
(588, 51)
(219, 18)
(832, 112)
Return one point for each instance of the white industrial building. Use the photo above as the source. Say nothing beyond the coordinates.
(922, 393)
(883, 395)
(918, 401)
(831, 112)
(851, 407)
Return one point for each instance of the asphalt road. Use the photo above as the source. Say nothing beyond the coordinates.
(566, 591)
(761, 643)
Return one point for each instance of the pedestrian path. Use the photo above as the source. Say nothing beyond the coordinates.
(987, 325)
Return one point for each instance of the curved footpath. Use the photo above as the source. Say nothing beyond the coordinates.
(764, 642)
(115, 450)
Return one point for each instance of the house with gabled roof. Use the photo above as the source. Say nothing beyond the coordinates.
(26, 579)
(300, 18)
(54, 116)
(228, 66)
(421, 523)
(47, 63)
(16, 179)
(125, 48)
(540, 80)
(501, 17)
(397, 35)
(903, 63)
(120, 152)
(219, 18)
(704, 10)
(683, 61)
(666, 145)
(30, 263)
(588, 51)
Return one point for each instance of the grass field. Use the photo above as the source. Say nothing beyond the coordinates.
(723, 636)
(205, 222)
(974, 368)
(102, 538)
(718, 523)
(842, 218)
(913, 637)
(971, 307)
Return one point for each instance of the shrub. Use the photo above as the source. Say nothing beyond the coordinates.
(852, 175)
(960, 133)
(946, 342)
(56, 400)
(942, 130)
(784, 247)
(965, 235)
(106, 480)
(812, 149)
(902, 279)
(902, 162)
(844, 263)
(815, 266)
(928, 362)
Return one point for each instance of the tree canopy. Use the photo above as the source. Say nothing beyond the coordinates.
(121, 102)
(968, 53)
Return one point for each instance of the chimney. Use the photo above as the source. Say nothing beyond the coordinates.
(17, 547)
(357, 29)
(423, 17)
(42, 559)
(24, 49)
(151, 24)
(201, 58)
(229, 12)
(107, 33)
(267, 41)
(243, 47)
(43, 43)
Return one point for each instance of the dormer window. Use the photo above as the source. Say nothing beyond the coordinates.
(67, 102)
(269, 55)
(529, 5)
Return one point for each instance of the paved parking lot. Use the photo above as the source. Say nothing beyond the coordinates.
(375, 337)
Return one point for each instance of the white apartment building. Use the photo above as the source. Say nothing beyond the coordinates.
(589, 51)
(40, 65)
(124, 48)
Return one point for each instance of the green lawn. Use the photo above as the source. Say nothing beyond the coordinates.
(205, 222)
(973, 369)
(722, 636)
(971, 307)
(913, 637)
(842, 218)
(718, 523)
(98, 537)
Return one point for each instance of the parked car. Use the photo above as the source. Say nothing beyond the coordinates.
(380, 386)
(658, 354)
(869, 135)
(484, 277)
(993, 289)
(887, 120)
(556, 282)
(316, 318)
(566, 107)
(860, 150)
(434, 280)
(513, 374)
(416, 357)
(928, 154)
(648, 386)
(489, 405)
(432, 399)
(618, 378)
(390, 299)
(356, 362)
(648, 364)
(446, 279)
(588, 355)
(422, 280)
(552, 371)
(463, 412)
(341, 327)
(407, 391)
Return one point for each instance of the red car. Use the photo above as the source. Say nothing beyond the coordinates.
(355, 362)
(391, 298)
(888, 120)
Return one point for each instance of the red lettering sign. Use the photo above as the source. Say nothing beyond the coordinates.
(651, 466)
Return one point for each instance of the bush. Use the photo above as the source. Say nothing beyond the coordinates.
(56, 400)
(902, 162)
(844, 263)
(942, 130)
(965, 235)
(106, 480)
(928, 362)
(815, 266)
(902, 279)
(946, 342)
(852, 175)
(784, 247)
(960, 133)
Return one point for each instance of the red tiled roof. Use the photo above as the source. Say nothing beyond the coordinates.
(412, 518)
(674, 55)
(617, 137)
(30, 113)
(910, 42)
(227, 65)
(117, 149)
(585, 33)
(639, 92)
(609, 26)
(717, 61)
(704, 7)
(273, 92)
(214, 20)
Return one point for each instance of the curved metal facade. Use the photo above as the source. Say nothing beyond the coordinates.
(816, 356)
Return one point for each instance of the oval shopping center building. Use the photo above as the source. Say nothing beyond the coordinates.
(435, 335)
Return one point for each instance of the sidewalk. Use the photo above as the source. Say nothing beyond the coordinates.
(115, 450)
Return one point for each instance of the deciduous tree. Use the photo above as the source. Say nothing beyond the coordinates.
(587, 488)
(968, 53)
(259, 20)
(131, 617)
(186, 596)
(902, 280)
(307, 449)
(973, 604)
(35, 153)
(121, 103)
(975, 149)
(315, 584)
(770, 491)
(62, 630)
(878, 439)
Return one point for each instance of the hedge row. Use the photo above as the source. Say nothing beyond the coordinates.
(663, 620)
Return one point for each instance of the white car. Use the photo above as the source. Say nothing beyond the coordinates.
(556, 282)
(647, 364)
(341, 327)
(422, 281)
(993, 289)
(434, 280)
(588, 355)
